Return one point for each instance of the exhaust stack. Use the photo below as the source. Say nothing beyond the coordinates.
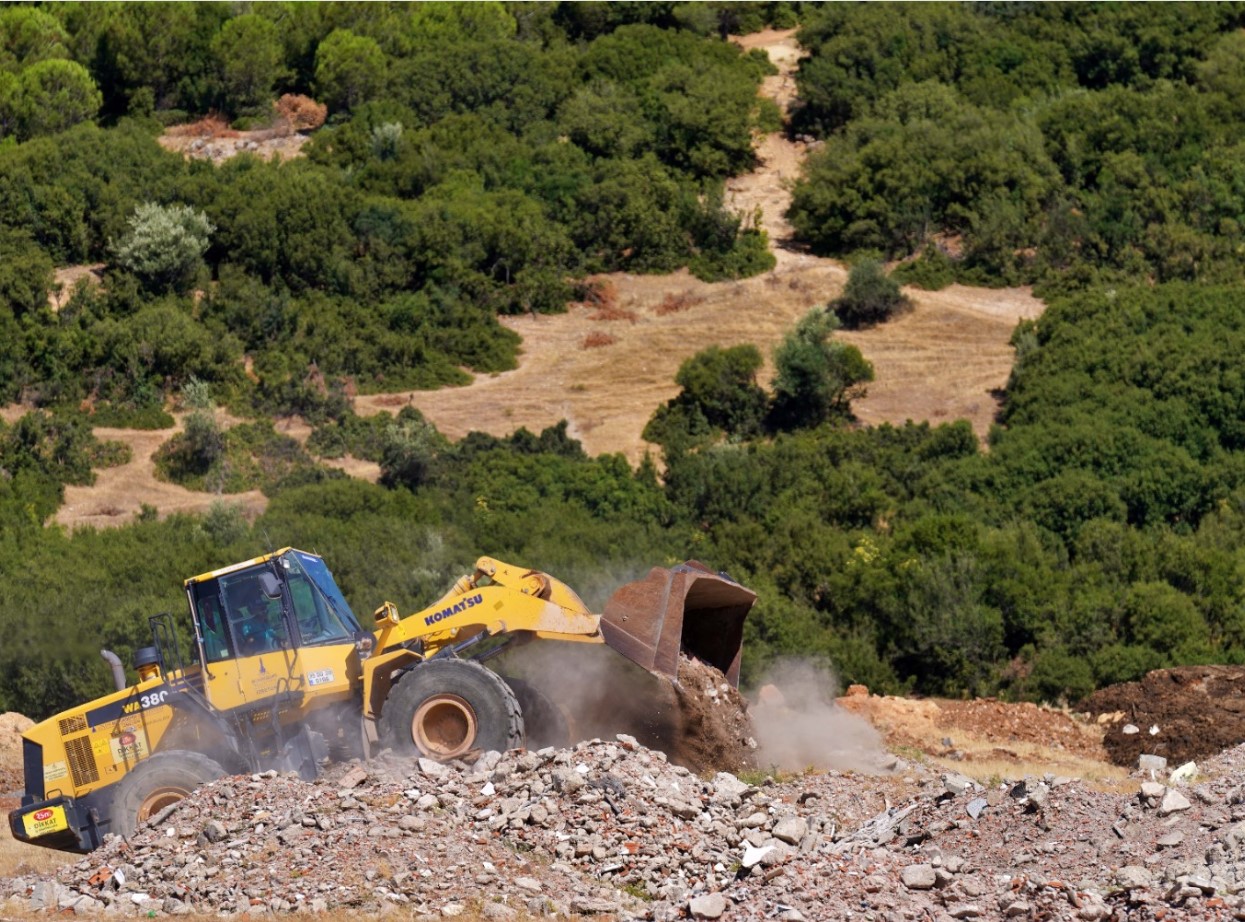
(118, 671)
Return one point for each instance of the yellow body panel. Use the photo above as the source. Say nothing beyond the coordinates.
(94, 745)
(322, 672)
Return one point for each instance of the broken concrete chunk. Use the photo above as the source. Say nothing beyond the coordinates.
(1173, 802)
(919, 877)
(708, 906)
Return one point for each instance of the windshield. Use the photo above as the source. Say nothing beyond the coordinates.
(321, 611)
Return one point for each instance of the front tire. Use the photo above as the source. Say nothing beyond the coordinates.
(158, 782)
(444, 709)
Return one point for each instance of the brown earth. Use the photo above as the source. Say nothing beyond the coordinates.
(118, 492)
(1184, 714)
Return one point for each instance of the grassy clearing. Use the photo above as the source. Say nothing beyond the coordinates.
(17, 858)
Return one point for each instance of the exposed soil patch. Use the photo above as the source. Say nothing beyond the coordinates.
(1183, 714)
(212, 139)
(64, 281)
(986, 738)
(118, 492)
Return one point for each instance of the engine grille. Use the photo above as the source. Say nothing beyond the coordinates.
(75, 724)
(81, 761)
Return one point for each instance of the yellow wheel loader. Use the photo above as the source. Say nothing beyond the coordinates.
(284, 676)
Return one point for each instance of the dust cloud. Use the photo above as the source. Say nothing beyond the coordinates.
(570, 692)
(799, 726)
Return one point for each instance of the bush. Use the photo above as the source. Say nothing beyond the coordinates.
(869, 298)
(165, 245)
(816, 377)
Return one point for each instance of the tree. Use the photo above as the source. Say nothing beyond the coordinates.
(817, 377)
(869, 298)
(249, 54)
(55, 95)
(28, 35)
(720, 394)
(411, 446)
(164, 246)
(350, 70)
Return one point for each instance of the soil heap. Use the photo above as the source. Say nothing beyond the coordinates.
(1183, 714)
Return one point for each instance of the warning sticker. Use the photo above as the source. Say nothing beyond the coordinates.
(55, 771)
(41, 822)
(130, 745)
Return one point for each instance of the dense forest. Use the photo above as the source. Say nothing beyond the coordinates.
(488, 158)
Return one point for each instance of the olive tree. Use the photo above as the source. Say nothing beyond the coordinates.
(165, 245)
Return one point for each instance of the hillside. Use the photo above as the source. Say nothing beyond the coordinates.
(946, 360)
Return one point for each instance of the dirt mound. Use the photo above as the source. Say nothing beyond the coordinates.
(12, 725)
(1184, 714)
(714, 732)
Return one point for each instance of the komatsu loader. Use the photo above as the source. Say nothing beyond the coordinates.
(283, 676)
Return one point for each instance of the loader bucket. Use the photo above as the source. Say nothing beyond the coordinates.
(687, 608)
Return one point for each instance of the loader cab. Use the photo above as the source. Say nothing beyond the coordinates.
(278, 603)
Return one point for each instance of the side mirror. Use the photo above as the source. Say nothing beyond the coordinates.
(269, 585)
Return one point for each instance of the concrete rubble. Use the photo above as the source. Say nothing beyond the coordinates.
(611, 829)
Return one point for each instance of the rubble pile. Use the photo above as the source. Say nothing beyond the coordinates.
(610, 827)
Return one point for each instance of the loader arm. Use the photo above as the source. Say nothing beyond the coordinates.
(497, 598)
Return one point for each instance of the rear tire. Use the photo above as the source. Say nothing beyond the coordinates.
(158, 782)
(444, 709)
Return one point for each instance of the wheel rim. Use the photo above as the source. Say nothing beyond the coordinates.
(444, 726)
(158, 799)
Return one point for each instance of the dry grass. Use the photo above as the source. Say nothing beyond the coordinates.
(675, 303)
(596, 339)
(18, 858)
(212, 125)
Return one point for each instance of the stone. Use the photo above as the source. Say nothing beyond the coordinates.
(1151, 763)
(1152, 790)
(790, 829)
(728, 789)
(1171, 840)
(1184, 774)
(433, 769)
(976, 806)
(957, 784)
(708, 906)
(964, 911)
(1173, 802)
(530, 884)
(214, 831)
(754, 856)
(1133, 877)
(353, 778)
(919, 877)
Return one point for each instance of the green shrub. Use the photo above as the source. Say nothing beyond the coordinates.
(869, 298)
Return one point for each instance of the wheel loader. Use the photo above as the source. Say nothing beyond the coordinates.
(282, 675)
